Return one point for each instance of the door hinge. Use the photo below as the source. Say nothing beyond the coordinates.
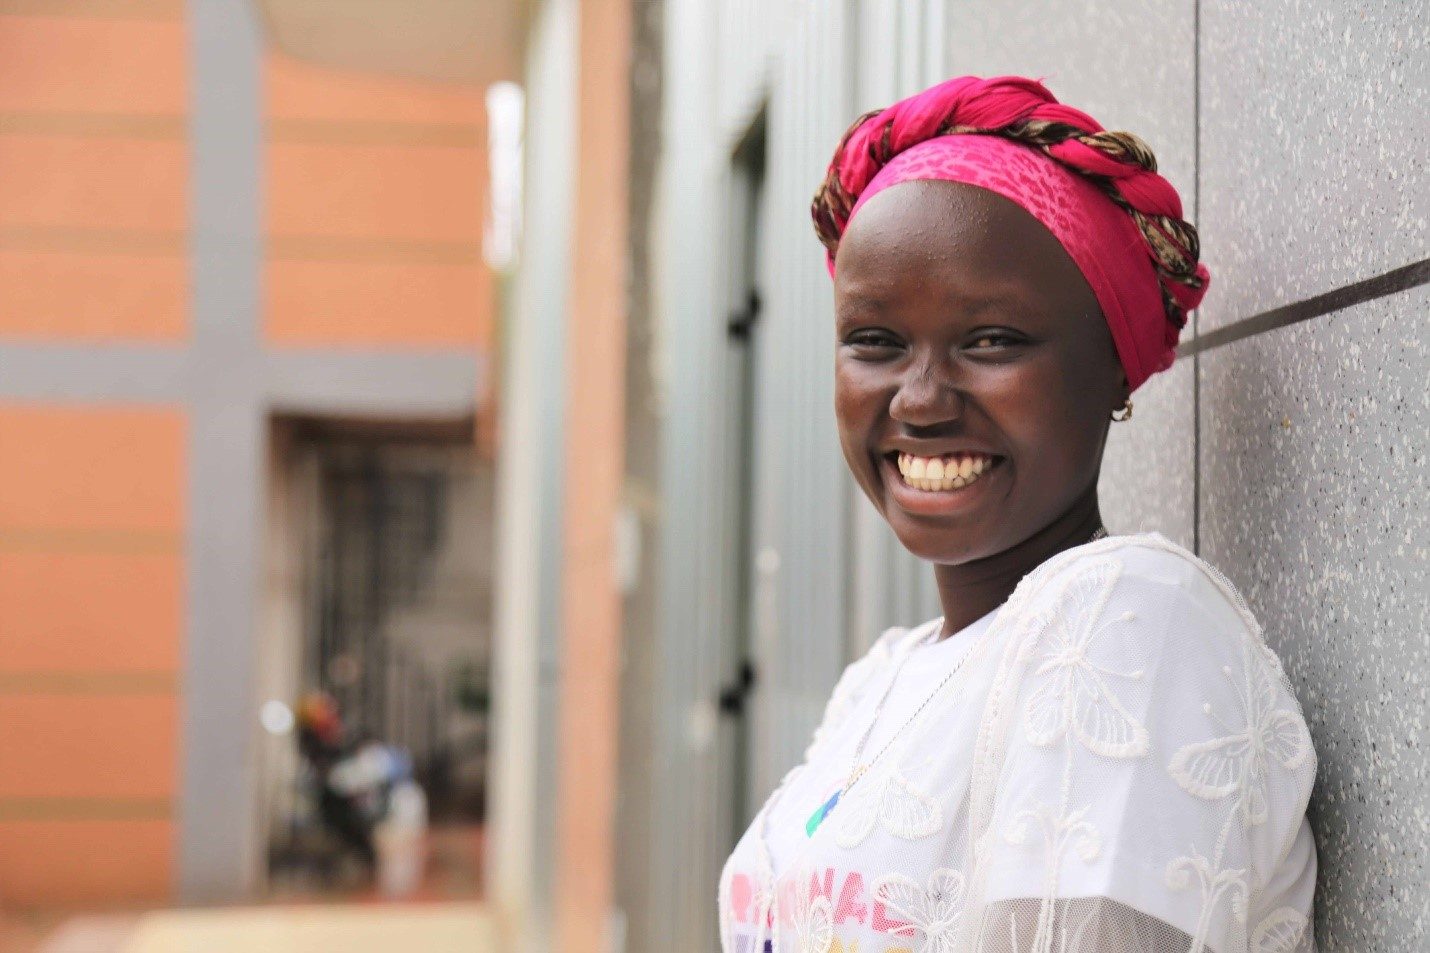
(743, 321)
(735, 692)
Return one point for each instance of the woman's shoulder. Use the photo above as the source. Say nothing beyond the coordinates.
(1148, 554)
(1142, 571)
(1147, 607)
(1138, 672)
(1143, 595)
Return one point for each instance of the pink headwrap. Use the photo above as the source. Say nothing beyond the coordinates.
(928, 136)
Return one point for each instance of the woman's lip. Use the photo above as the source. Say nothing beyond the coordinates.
(935, 502)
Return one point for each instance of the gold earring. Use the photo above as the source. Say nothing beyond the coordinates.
(1126, 409)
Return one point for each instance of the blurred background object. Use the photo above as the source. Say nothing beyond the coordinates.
(247, 406)
(418, 480)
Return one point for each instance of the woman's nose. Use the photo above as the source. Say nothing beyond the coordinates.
(926, 397)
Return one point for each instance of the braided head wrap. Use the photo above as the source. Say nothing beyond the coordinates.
(1098, 192)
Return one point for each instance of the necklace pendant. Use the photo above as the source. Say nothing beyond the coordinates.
(820, 813)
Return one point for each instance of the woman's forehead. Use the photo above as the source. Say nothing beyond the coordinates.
(950, 240)
(925, 216)
(880, 298)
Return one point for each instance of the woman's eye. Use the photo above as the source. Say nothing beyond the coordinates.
(983, 342)
(868, 339)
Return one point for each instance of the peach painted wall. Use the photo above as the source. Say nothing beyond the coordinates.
(93, 222)
(94, 161)
(91, 581)
(375, 190)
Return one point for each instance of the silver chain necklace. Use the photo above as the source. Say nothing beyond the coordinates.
(857, 770)
(766, 896)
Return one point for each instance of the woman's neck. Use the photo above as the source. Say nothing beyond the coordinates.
(971, 590)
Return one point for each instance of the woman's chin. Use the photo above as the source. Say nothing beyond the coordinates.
(944, 526)
(949, 545)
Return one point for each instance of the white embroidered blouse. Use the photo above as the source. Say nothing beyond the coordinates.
(1112, 761)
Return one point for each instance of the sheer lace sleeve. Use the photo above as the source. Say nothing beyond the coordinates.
(1144, 782)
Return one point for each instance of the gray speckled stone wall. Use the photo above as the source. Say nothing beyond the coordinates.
(1312, 438)
(1148, 467)
(1313, 147)
(1294, 459)
(1314, 445)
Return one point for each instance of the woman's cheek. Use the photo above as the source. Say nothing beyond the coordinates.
(855, 397)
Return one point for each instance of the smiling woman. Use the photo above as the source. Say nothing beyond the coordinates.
(1092, 750)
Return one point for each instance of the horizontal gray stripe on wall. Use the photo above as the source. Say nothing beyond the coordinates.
(416, 383)
(443, 383)
(78, 372)
(1381, 286)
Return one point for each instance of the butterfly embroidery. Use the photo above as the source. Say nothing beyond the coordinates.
(813, 917)
(888, 800)
(1076, 694)
(1279, 932)
(1236, 764)
(933, 911)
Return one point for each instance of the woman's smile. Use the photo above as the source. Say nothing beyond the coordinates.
(939, 485)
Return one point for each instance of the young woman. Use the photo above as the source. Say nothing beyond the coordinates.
(1092, 750)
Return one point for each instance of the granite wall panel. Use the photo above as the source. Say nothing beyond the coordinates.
(1148, 469)
(1313, 147)
(1314, 440)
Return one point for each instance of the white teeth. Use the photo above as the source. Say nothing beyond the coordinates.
(933, 474)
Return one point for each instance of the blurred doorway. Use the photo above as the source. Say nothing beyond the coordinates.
(746, 236)
(377, 644)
